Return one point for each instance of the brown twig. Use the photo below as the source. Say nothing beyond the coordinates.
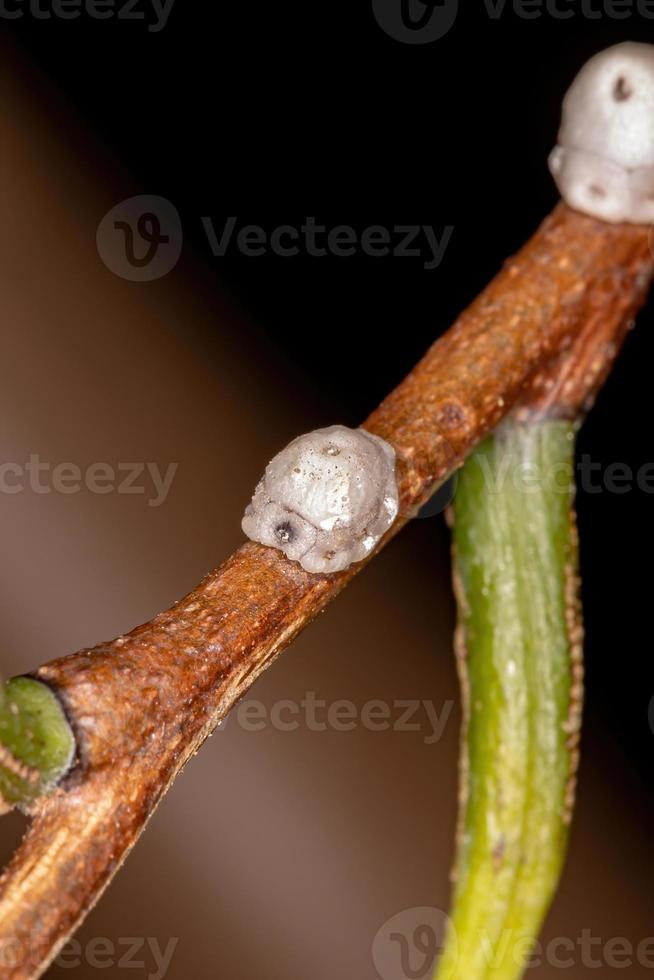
(142, 705)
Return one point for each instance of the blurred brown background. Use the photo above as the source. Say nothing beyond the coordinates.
(277, 853)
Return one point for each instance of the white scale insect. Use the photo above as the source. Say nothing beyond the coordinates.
(603, 164)
(326, 499)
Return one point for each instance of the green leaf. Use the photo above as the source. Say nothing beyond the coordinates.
(520, 664)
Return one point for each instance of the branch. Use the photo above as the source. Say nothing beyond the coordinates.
(142, 705)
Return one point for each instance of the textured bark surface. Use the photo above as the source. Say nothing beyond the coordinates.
(143, 704)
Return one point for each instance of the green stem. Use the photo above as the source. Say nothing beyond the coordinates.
(519, 657)
(36, 742)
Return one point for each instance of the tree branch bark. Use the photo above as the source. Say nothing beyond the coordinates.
(142, 705)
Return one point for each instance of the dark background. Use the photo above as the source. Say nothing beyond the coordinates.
(272, 112)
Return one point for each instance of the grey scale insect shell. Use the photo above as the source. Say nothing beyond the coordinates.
(326, 499)
(603, 163)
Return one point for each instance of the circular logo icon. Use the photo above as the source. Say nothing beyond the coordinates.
(426, 444)
(415, 21)
(140, 239)
(441, 500)
(406, 946)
